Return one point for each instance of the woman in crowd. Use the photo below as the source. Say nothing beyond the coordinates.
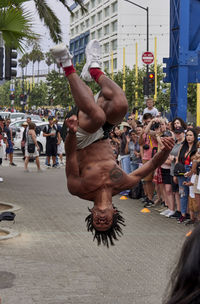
(185, 156)
(179, 139)
(134, 149)
(31, 139)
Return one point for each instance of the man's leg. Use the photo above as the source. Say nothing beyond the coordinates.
(91, 116)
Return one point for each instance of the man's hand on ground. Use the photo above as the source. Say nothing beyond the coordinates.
(72, 123)
(168, 143)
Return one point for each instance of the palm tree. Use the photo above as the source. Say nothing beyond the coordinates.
(48, 60)
(15, 21)
(24, 61)
(15, 25)
(49, 18)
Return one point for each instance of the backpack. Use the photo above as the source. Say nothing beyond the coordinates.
(137, 191)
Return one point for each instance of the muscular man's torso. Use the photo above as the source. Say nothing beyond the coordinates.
(98, 169)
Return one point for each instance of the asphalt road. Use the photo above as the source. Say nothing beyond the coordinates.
(55, 261)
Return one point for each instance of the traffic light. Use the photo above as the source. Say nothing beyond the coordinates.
(21, 97)
(145, 86)
(1, 63)
(151, 81)
(12, 96)
(10, 54)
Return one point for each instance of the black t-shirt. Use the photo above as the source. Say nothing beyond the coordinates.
(53, 138)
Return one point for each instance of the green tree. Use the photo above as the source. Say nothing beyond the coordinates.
(37, 96)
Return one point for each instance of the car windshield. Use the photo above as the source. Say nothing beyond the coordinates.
(17, 115)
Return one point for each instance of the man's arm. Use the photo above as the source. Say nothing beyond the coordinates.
(74, 182)
(159, 158)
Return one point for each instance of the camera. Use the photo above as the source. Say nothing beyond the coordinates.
(167, 134)
(146, 147)
(155, 126)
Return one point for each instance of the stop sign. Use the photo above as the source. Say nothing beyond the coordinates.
(147, 57)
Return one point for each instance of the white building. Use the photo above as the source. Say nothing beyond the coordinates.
(117, 24)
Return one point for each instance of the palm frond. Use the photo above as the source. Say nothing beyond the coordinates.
(50, 20)
(15, 26)
(79, 2)
(9, 3)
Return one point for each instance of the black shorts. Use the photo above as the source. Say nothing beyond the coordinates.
(51, 149)
(166, 177)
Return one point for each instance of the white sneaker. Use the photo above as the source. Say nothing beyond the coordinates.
(93, 59)
(62, 55)
(165, 212)
(170, 213)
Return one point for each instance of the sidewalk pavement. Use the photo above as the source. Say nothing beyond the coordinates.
(55, 261)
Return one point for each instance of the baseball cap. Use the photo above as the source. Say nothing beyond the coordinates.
(179, 130)
(25, 124)
(50, 118)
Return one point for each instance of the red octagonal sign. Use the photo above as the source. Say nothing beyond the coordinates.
(147, 57)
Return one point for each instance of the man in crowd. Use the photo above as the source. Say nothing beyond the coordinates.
(91, 169)
(10, 142)
(52, 141)
(150, 108)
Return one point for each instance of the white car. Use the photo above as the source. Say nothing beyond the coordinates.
(41, 140)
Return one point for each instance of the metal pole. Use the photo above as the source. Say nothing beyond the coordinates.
(147, 10)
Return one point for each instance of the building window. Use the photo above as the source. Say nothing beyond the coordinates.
(76, 59)
(87, 23)
(93, 35)
(99, 1)
(114, 45)
(106, 11)
(106, 65)
(82, 26)
(81, 57)
(71, 47)
(99, 16)
(106, 47)
(76, 45)
(76, 15)
(115, 64)
(86, 39)
(99, 33)
(72, 18)
(92, 3)
(77, 28)
(106, 29)
(72, 32)
(93, 20)
(87, 6)
(114, 7)
(81, 42)
(114, 26)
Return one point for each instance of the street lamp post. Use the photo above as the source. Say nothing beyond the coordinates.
(147, 10)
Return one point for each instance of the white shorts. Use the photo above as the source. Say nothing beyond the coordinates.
(60, 148)
(27, 154)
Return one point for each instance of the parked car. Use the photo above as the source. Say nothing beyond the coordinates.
(5, 115)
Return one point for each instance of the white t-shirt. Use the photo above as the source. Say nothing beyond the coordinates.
(154, 112)
(191, 188)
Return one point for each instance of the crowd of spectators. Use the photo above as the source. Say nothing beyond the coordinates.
(174, 188)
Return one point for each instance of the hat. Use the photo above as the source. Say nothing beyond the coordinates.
(25, 124)
(179, 130)
(50, 118)
(125, 124)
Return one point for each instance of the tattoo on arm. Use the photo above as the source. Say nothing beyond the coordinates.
(116, 174)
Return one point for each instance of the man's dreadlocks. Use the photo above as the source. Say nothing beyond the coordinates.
(109, 235)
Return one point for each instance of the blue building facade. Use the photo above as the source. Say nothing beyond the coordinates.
(77, 47)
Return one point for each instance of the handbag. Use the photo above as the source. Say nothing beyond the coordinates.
(179, 169)
(31, 148)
